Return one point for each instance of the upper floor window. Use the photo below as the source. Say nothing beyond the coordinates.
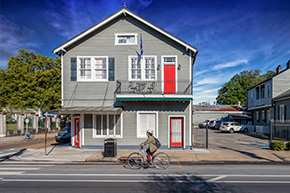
(263, 91)
(142, 68)
(257, 93)
(92, 68)
(126, 39)
(268, 91)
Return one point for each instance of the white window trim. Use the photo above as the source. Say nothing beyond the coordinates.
(92, 69)
(142, 68)
(281, 115)
(139, 135)
(106, 136)
(126, 34)
(184, 126)
(176, 71)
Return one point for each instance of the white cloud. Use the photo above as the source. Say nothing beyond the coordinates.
(14, 37)
(230, 64)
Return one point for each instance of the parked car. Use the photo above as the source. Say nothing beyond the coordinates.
(204, 124)
(230, 127)
(217, 124)
(64, 135)
(211, 124)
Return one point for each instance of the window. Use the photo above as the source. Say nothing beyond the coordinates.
(268, 90)
(263, 91)
(145, 121)
(281, 112)
(251, 96)
(92, 68)
(126, 39)
(257, 93)
(107, 125)
(263, 115)
(268, 116)
(142, 68)
(257, 116)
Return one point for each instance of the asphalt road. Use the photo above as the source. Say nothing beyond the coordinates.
(82, 178)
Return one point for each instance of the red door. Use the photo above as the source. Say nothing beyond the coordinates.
(176, 132)
(169, 79)
(77, 131)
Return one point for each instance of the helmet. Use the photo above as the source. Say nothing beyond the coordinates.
(149, 131)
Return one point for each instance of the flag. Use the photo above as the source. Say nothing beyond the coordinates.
(141, 46)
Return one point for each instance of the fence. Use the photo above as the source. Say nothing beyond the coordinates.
(15, 125)
(279, 130)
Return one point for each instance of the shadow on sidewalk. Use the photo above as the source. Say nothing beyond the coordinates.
(250, 154)
(4, 158)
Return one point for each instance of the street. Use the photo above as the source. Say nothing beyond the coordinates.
(118, 178)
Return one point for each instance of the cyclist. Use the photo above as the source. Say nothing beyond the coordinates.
(152, 145)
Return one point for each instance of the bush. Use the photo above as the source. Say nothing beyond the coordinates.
(278, 145)
(288, 146)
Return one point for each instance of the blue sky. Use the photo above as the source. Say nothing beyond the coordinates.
(231, 36)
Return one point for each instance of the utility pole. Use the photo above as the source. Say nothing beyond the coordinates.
(45, 138)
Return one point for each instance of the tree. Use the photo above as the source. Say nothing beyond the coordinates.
(235, 90)
(31, 81)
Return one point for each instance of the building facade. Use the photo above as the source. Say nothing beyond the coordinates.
(260, 98)
(123, 76)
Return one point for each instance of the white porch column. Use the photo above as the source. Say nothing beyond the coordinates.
(2, 125)
(48, 124)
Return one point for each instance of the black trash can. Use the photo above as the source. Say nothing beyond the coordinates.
(110, 147)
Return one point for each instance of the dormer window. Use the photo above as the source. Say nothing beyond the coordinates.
(126, 39)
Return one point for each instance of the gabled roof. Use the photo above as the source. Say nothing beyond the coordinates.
(124, 11)
(282, 96)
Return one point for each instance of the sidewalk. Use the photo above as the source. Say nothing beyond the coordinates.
(196, 156)
(15, 139)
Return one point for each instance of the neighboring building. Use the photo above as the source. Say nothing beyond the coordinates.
(218, 112)
(117, 85)
(281, 105)
(260, 98)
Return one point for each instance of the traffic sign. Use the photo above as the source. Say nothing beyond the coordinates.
(49, 114)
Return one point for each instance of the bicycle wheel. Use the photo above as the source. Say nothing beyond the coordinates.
(161, 161)
(135, 160)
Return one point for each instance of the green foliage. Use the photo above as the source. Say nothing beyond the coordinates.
(278, 145)
(288, 146)
(236, 89)
(31, 81)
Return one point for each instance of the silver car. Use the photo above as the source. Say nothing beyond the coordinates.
(230, 127)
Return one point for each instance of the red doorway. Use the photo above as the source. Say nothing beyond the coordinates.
(176, 131)
(77, 131)
(169, 79)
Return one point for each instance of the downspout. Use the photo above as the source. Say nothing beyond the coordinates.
(193, 61)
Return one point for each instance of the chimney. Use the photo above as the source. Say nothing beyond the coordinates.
(288, 64)
(278, 69)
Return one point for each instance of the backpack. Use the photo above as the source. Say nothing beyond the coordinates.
(157, 143)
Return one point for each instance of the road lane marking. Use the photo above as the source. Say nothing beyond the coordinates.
(14, 168)
(10, 173)
(217, 178)
(143, 181)
(156, 175)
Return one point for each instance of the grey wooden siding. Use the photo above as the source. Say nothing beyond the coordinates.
(130, 125)
(281, 83)
(101, 43)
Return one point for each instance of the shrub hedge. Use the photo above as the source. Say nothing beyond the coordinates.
(278, 145)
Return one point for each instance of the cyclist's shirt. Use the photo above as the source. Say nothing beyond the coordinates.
(151, 142)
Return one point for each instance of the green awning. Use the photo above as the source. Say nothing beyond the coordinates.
(152, 99)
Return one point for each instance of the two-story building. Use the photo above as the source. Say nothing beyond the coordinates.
(260, 98)
(123, 76)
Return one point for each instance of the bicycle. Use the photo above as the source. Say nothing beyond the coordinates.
(27, 135)
(136, 160)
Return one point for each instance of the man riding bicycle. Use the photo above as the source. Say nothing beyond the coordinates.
(152, 145)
